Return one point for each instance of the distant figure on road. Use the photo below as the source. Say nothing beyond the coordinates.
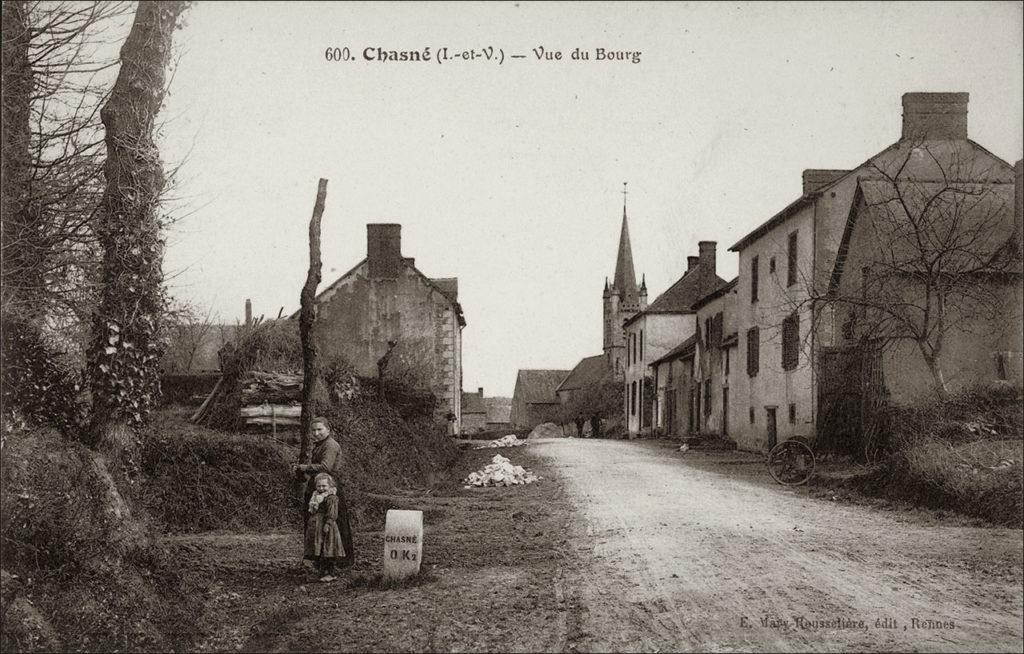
(325, 457)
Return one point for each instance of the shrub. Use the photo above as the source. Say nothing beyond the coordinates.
(963, 453)
(201, 479)
(36, 386)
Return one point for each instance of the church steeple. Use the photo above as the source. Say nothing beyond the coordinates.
(622, 299)
(625, 276)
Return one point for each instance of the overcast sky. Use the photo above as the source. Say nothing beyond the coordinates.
(509, 176)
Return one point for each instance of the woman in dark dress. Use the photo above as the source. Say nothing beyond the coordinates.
(325, 457)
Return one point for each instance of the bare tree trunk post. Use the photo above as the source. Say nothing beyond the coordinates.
(312, 392)
(124, 357)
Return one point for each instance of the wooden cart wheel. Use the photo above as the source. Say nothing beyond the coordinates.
(791, 463)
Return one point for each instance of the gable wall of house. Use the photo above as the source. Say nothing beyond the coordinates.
(359, 315)
(978, 350)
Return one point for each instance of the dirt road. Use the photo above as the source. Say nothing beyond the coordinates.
(698, 552)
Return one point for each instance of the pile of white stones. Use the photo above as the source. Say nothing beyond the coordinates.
(500, 472)
(504, 441)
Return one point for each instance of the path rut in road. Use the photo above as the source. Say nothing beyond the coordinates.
(686, 558)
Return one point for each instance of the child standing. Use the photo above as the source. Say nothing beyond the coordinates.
(323, 539)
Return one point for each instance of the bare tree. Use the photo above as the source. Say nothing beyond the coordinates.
(125, 353)
(930, 249)
(57, 69)
(597, 400)
(313, 392)
(188, 330)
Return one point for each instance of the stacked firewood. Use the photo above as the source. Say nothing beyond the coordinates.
(255, 398)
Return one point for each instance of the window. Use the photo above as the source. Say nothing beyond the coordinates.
(707, 332)
(726, 364)
(632, 399)
(716, 330)
(751, 415)
(771, 265)
(792, 414)
(753, 280)
(791, 261)
(791, 341)
(641, 345)
(633, 342)
(753, 351)
(707, 397)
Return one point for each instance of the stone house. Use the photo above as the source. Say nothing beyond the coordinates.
(499, 412)
(474, 412)
(982, 334)
(786, 266)
(715, 364)
(386, 298)
(588, 372)
(676, 409)
(534, 400)
(657, 329)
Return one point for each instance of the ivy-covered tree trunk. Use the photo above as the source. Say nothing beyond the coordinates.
(125, 353)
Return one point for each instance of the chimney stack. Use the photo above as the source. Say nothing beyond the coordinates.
(691, 263)
(384, 250)
(480, 391)
(815, 178)
(248, 312)
(935, 116)
(708, 266)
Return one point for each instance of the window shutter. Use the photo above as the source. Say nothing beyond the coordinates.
(716, 330)
(791, 260)
(791, 341)
(753, 351)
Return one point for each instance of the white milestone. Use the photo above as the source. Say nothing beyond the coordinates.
(403, 544)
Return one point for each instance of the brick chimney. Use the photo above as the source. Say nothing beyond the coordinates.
(384, 250)
(480, 391)
(691, 263)
(708, 265)
(940, 116)
(815, 178)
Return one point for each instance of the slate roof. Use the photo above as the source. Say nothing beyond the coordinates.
(893, 149)
(714, 295)
(538, 386)
(499, 409)
(681, 296)
(681, 351)
(473, 403)
(588, 371)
